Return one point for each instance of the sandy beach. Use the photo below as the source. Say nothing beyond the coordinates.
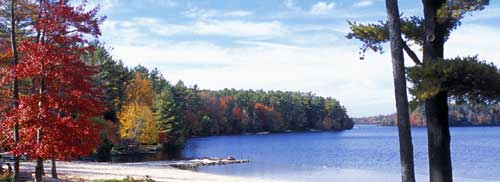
(160, 171)
(156, 170)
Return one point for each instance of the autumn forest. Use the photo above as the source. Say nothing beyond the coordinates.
(145, 108)
(66, 95)
(58, 79)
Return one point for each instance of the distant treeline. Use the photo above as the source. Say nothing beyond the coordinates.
(459, 115)
(233, 111)
(145, 108)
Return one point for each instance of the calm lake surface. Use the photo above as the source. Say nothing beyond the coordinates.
(365, 153)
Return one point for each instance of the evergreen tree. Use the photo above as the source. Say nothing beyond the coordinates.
(158, 81)
(180, 128)
(436, 78)
(164, 113)
(113, 76)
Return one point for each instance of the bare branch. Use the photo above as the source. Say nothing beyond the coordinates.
(412, 54)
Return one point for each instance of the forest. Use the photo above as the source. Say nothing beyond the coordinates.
(144, 107)
(57, 78)
(459, 115)
(64, 97)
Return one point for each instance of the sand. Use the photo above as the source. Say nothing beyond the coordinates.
(160, 171)
(157, 171)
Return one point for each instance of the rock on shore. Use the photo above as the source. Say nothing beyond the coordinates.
(205, 162)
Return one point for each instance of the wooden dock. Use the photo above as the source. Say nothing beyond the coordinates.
(186, 164)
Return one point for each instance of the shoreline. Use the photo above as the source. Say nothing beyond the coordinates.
(158, 171)
(267, 133)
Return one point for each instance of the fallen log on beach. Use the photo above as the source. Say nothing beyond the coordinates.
(193, 163)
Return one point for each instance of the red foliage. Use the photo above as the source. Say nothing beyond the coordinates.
(194, 121)
(237, 113)
(5, 59)
(261, 110)
(269, 118)
(213, 105)
(65, 109)
(224, 101)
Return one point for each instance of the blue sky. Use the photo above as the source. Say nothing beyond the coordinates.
(294, 45)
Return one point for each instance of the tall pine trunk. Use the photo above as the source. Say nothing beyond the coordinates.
(438, 133)
(15, 87)
(401, 96)
(436, 107)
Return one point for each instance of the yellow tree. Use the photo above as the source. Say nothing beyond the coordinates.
(136, 118)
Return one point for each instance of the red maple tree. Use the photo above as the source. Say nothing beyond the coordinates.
(57, 116)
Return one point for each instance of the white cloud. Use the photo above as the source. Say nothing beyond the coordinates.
(308, 34)
(487, 13)
(472, 39)
(239, 28)
(163, 3)
(364, 3)
(322, 8)
(228, 28)
(239, 13)
(104, 5)
(268, 44)
(110, 6)
(291, 4)
(206, 14)
(107, 4)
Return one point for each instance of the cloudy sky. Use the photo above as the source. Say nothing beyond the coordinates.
(293, 45)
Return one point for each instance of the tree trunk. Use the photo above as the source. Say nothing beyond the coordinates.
(403, 116)
(436, 107)
(1, 161)
(15, 89)
(39, 171)
(54, 169)
(438, 133)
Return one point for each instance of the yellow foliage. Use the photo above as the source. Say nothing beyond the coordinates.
(136, 119)
(138, 123)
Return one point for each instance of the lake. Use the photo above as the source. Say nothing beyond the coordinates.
(365, 153)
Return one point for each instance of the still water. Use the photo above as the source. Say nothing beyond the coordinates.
(365, 153)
